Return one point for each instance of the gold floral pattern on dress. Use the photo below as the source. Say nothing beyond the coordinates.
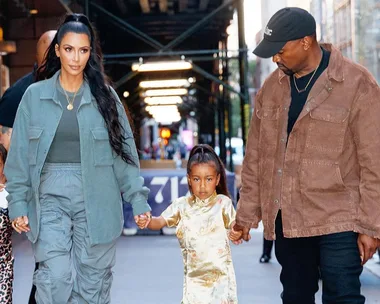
(179, 233)
(209, 276)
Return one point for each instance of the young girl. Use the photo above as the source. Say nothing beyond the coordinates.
(6, 258)
(202, 220)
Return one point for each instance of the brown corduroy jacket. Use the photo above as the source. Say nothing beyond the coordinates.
(325, 177)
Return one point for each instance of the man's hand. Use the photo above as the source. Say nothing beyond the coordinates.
(245, 232)
(21, 224)
(235, 236)
(367, 247)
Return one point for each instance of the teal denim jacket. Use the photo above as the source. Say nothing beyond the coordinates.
(107, 179)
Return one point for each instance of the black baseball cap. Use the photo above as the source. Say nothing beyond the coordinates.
(290, 23)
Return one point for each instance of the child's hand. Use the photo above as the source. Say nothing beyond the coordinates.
(235, 236)
(143, 220)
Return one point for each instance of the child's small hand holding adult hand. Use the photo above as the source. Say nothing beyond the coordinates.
(143, 220)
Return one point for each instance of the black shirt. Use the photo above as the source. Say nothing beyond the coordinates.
(299, 98)
(12, 97)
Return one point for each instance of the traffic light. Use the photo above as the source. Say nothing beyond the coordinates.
(165, 133)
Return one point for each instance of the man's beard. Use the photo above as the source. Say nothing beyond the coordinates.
(285, 69)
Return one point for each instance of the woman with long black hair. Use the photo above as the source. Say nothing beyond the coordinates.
(72, 160)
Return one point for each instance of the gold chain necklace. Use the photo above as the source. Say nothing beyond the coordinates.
(70, 105)
(305, 88)
(311, 78)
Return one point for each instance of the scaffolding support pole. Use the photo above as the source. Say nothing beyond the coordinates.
(243, 69)
(228, 109)
(87, 8)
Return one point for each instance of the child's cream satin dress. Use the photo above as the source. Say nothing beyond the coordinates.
(209, 276)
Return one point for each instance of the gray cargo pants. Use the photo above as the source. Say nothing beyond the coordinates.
(70, 269)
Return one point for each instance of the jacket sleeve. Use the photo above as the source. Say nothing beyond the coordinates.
(365, 127)
(17, 165)
(130, 181)
(249, 208)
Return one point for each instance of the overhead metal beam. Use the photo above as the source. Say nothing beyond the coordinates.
(216, 79)
(145, 7)
(124, 79)
(159, 19)
(203, 4)
(122, 6)
(192, 59)
(163, 5)
(197, 26)
(66, 6)
(130, 28)
(174, 42)
(169, 53)
(182, 5)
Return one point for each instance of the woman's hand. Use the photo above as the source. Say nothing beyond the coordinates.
(21, 224)
(143, 220)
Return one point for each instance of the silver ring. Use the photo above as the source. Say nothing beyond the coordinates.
(16, 225)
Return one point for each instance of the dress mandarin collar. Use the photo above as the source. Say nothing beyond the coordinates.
(194, 200)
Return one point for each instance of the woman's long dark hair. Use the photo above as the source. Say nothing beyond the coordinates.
(3, 153)
(203, 154)
(94, 75)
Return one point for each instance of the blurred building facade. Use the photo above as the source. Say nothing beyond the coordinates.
(353, 26)
(268, 9)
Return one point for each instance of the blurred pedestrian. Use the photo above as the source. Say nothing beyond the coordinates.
(267, 251)
(12, 98)
(71, 161)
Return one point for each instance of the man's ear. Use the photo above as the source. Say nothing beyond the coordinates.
(306, 42)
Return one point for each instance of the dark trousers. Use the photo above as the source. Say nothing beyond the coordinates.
(333, 258)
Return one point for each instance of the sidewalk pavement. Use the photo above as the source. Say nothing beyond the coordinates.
(373, 265)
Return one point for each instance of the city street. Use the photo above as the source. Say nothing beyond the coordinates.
(149, 271)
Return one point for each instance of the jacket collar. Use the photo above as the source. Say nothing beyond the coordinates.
(50, 90)
(334, 69)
